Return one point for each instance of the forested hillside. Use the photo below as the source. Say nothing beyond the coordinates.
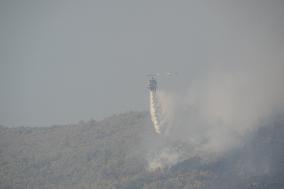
(110, 154)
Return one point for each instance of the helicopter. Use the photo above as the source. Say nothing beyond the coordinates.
(152, 83)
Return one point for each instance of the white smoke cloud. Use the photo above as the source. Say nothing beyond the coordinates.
(219, 112)
(240, 88)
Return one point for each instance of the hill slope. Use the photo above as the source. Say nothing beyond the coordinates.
(111, 154)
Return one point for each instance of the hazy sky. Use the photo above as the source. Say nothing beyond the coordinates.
(63, 61)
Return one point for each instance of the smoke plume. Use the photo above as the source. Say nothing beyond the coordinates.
(240, 87)
(217, 114)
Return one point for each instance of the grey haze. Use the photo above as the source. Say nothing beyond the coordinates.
(65, 61)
